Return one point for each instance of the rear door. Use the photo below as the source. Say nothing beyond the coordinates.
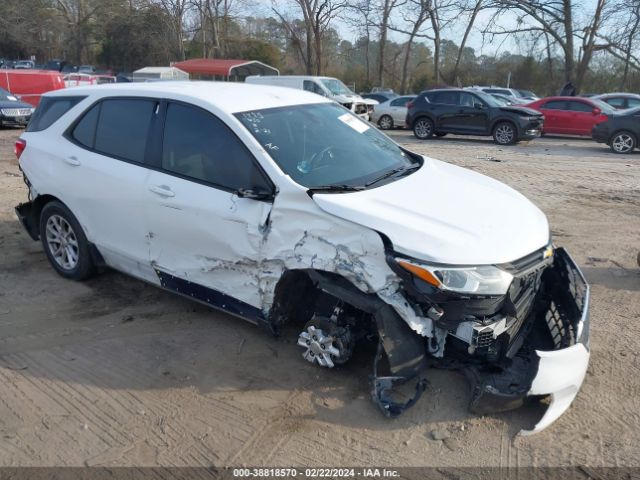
(473, 117)
(105, 174)
(204, 237)
(446, 110)
(398, 109)
(582, 117)
(556, 116)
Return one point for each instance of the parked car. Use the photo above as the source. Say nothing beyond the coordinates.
(24, 65)
(280, 207)
(392, 113)
(527, 94)
(471, 112)
(55, 64)
(621, 131)
(509, 92)
(326, 86)
(571, 115)
(78, 80)
(13, 112)
(620, 101)
(29, 85)
(504, 100)
(380, 97)
(90, 69)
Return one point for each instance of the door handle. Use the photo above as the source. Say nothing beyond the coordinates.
(162, 190)
(73, 161)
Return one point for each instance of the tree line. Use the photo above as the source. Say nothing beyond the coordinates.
(407, 45)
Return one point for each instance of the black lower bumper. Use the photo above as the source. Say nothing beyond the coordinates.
(26, 214)
(560, 320)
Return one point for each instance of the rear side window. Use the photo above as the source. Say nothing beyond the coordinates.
(199, 146)
(555, 105)
(85, 130)
(311, 86)
(400, 102)
(617, 102)
(445, 98)
(123, 128)
(633, 102)
(49, 110)
(580, 107)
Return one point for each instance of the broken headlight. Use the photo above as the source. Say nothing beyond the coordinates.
(481, 280)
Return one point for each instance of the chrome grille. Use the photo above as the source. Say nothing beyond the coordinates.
(16, 112)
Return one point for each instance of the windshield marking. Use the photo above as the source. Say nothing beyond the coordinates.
(354, 122)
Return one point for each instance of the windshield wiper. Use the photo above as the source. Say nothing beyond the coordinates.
(336, 188)
(392, 173)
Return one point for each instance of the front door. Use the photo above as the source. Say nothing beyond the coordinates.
(205, 234)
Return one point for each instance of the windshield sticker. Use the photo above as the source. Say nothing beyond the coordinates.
(12, 98)
(354, 122)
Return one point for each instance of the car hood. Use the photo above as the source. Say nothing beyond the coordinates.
(14, 104)
(446, 214)
(522, 110)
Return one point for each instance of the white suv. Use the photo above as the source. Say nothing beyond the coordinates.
(280, 206)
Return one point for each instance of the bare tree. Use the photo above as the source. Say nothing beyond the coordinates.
(474, 7)
(176, 10)
(555, 18)
(622, 42)
(416, 14)
(317, 16)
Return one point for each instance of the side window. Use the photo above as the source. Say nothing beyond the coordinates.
(446, 98)
(312, 86)
(400, 102)
(468, 100)
(198, 145)
(580, 107)
(85, 130)
(123, 127)
(555, 105)
(633, 102)
(49, 110)
(617, 102)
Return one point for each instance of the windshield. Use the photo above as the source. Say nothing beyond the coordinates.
(488, 99)
(325, 145)
(336, 87)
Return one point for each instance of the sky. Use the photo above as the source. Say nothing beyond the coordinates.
(499, 45)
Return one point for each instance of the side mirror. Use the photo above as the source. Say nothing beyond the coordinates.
(478, 106)
(255, 193)
(597, 111)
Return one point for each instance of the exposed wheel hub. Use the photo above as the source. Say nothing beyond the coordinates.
(325, 343)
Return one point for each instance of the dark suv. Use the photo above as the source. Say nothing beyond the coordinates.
(471, 112)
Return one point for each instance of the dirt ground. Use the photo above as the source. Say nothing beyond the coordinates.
(116, 372)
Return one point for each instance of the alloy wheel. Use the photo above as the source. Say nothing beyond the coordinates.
(622, 143)
(422, 128)
(62, 242)
(504, 134)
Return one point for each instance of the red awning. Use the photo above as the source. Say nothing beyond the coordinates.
(224, 67)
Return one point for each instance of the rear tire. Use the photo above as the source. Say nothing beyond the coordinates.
(385, 122)
(65, 243)
(623, 142)
(423, 128)
(505, 133)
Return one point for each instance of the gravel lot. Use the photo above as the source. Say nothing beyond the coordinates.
(117, 372)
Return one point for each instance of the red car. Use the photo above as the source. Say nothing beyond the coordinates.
(29, 85)
(571, 115)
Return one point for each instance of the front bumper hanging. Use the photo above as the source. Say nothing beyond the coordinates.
(554, 359)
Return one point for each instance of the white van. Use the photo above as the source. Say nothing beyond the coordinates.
(326, 86)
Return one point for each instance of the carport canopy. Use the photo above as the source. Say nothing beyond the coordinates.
(224, 68)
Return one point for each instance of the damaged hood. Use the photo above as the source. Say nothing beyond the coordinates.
(521, 110)
(446, 214)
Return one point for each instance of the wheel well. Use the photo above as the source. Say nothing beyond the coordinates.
(299, 294)
(620, 131)
(36, 209)
(504, 120)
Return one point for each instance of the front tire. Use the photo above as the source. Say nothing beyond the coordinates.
(385, 122)
(623, 142)
(65, 243)
(505, 133)
(423, 128)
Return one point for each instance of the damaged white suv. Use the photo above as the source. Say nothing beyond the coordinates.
(281, 207)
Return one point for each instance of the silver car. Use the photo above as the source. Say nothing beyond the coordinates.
(391, 113)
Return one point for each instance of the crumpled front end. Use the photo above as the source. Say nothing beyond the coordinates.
(554, 357)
